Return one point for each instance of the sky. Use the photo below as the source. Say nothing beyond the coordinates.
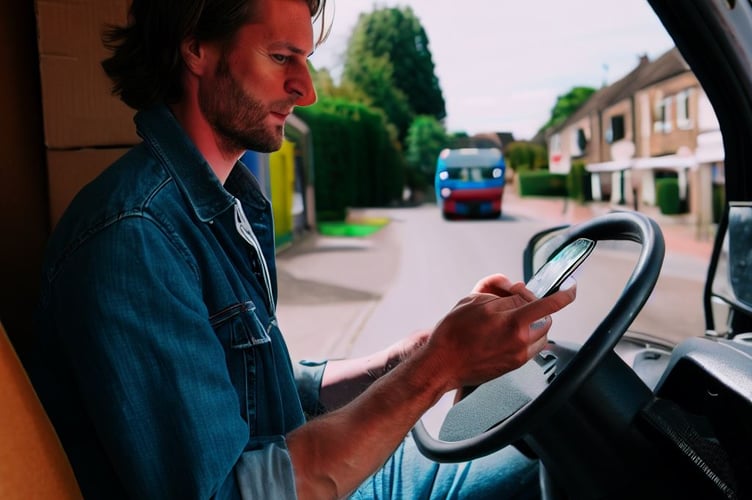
(502, 64)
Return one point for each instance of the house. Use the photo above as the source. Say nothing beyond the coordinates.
(654, 122)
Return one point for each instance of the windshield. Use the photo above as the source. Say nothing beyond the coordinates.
(473, 173)
(602, 117)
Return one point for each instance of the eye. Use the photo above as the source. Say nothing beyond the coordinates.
(280, 58)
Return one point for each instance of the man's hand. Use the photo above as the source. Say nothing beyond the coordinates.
(495, 329)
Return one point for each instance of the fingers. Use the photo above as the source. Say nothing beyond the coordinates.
(519, 288)
(538, 336)
(546, 306)
(501, 286)
(509, 327)
(496, 284)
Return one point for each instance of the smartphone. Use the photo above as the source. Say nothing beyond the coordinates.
(552, 274)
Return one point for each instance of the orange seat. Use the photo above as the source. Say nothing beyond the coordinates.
(32, 461)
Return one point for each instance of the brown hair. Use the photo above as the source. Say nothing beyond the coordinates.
(146, 64)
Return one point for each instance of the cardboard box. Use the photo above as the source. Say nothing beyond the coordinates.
(69, 171)
(77, 103)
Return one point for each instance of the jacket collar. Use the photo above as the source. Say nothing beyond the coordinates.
(193, 175)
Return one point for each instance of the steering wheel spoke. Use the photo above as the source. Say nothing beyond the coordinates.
(493, 402)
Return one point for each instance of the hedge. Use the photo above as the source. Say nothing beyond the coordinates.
(667, 195)
(356, 162)
(542, 183)
(579, 187)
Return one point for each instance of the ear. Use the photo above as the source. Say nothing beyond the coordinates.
(194, 55)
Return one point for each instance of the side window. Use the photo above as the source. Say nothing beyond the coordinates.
(578, 141)
(616, 131)
(683, 114)
(662, 119)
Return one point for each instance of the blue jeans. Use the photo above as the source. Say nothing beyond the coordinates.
(408, 475)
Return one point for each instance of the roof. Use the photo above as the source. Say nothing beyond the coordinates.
(645, 74)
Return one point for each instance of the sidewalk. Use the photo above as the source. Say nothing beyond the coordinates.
(682, 236)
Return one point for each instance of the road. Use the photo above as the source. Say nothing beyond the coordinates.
(347, 297)
(341, 297)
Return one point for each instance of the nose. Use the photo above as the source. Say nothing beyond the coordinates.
(301, 84)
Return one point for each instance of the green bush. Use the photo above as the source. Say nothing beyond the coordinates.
(357, 161)
(667, 195)
(542, 183)
(578, 183)
(522, 156)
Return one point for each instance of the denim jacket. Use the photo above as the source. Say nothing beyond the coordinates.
(158, 356)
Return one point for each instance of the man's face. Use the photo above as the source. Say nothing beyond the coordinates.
(261, 77)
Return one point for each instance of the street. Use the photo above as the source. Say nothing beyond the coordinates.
(342, 297)
(348, 296)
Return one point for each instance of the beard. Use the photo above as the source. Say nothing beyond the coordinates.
(236, 117)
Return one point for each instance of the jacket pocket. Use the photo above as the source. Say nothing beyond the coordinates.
(244, 333)
(245, 328)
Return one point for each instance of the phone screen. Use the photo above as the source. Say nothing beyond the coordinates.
(552, 274)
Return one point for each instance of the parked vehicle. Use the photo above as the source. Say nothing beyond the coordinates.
(470, 182)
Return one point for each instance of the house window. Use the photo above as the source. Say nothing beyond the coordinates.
(555, 143)
(578, 141)
(616, 130)
(662, 120)
(683, 118)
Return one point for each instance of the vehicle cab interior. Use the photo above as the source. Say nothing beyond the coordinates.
(620, 416)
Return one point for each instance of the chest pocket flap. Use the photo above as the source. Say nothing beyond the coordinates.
(245, 327)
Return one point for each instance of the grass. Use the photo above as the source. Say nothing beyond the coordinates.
(359, 227)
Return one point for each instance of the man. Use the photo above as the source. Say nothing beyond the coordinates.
(160, 360)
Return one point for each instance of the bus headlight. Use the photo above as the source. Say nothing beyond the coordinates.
(496, 173)
(443, 175)
(446, 192)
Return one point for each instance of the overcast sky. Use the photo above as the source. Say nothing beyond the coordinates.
(501, 64)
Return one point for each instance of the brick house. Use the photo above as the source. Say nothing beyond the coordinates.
(654, 122)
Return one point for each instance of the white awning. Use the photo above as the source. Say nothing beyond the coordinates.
(672, 162)
(609, 166)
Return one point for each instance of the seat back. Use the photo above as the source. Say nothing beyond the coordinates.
(32, 461)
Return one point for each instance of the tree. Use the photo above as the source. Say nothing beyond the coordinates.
(425, 140)
(326, 87)
(526, 155)
(375, 85)
(567, 104)
(389, 60)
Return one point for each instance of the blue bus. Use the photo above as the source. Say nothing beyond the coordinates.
(470, 182)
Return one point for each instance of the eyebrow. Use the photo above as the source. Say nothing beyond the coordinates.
(292, 48)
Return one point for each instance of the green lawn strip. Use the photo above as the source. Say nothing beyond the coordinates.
(360, 227)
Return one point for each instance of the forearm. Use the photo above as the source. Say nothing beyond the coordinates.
(345, 379)
(482, 337)
(333, 454)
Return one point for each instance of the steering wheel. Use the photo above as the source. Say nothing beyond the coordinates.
(502, 410)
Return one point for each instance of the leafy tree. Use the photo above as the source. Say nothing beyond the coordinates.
(327, 88)
(425, 140)
(458, 140)
(389, 60)
(375, 88)
(567, 104)
(525, 155)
